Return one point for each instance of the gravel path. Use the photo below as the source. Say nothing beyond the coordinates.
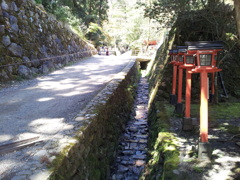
(46, 106)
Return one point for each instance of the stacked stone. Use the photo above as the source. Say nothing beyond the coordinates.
(28, 34)
(131, 155)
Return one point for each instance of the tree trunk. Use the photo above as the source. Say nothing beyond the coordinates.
(99, 12)
(237, 11)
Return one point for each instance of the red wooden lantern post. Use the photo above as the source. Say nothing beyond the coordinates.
(180, 56)
(188, 96)
(173, 54)
(206, 63)
(211, 98)
(188, 64)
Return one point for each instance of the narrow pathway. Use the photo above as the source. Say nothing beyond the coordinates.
(43, 110)
(131, 155)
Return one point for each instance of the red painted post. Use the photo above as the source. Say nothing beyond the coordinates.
(180, 76)
(204, 107)
(188, 93)
(205, 53)
(174, 80)
(212, 88)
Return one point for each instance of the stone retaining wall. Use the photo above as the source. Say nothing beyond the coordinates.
(32, 42)
(90, 153)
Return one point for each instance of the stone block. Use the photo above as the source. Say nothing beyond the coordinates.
(187, 124)
(24, 71)
(13, 7)
(15, 50)
(6, 40)
(204, 151)
(2, 29)
(4, 5)
(173, 99)
(179, 108)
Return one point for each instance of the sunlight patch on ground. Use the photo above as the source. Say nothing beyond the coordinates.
(222, 174)
(227, 158)
(47, 125)
(27, 135)
(6, 165)
(5, 137)
(55, 85)
(45, 99)
(74, 93)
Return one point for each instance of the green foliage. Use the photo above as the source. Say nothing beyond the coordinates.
(96, 34)
(164, 153)
(86, 10)
(219, 111)
(63, 13)
(17, 78)
(229, 128)
(204, 21)
(79, 14)
(167, 11)
(38, 1)
(128, 27)
(198, 169)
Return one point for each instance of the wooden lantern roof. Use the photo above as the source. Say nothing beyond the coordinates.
(205, 45)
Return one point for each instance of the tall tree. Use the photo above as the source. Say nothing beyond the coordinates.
(167, 11)
(237, 11)
(127, 25)
(89, 11)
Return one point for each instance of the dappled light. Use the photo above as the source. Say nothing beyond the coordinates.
(5, 137)
(153, 75)
(47, 126)
(80, 81)
(44, 109)
(45, 99)
(9, 163)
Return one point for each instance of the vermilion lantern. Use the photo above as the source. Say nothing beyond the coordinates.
(173, 55)
(189, 62)
(180, 61)
(181, 52)
(205, 52)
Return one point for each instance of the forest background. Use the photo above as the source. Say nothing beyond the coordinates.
(127, 24)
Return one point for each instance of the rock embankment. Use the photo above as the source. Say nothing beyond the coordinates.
(34, 42)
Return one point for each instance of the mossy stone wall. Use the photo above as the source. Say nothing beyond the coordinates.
(160, 79)
(28, 34)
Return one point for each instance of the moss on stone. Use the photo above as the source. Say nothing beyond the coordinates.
(163, 151)
(97, 141)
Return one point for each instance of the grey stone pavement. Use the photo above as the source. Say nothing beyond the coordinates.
(44, 108)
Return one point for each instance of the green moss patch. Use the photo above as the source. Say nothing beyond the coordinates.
(163, 150)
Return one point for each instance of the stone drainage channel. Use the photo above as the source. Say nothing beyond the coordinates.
(132, 149)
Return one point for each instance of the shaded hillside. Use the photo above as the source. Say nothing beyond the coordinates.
(165, 160)
(215, 23)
